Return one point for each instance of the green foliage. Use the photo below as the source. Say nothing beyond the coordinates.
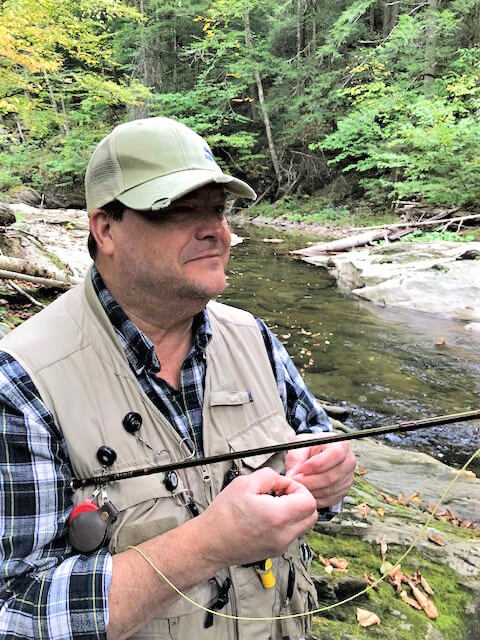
(437, 236)
(389, 93)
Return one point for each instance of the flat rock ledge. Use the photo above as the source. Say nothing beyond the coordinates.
(438, 277)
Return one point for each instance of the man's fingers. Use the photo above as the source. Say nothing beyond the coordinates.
(294, 460)
(265, 480)
(330, 457)
(341, 474)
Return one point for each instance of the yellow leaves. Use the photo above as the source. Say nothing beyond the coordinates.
(366, 618)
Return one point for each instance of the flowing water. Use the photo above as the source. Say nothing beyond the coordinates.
(383, 363)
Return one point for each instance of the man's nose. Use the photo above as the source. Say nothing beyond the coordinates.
(210, 223)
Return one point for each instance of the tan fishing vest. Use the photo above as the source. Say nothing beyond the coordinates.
(75, 359)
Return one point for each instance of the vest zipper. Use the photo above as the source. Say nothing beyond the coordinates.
(233, 605)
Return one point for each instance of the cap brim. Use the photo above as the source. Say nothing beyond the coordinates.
(159, 192)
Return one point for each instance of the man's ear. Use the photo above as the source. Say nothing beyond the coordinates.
(101, 229)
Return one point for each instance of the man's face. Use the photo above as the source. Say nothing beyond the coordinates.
(182, 250)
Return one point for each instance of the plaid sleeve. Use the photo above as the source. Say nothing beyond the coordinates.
(302, 411)
(46, 591)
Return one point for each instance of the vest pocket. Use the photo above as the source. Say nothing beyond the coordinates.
(147, 509)
(270, 430)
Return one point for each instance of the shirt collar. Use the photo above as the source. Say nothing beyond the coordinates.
(139, 349)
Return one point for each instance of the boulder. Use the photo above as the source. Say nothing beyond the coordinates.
(440, 277)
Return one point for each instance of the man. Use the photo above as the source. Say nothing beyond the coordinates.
(134, 369)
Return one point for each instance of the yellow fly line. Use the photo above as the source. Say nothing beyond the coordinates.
(321, 609)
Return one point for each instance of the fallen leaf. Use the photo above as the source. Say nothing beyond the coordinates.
(466, 524)
(366, 618)
(426, 587)
(437, 540)
(396, 580)
(362, 472)
(468, 473)
(328, 569)
(383, 547)
(441, 342)
(339, 563)
(324, 561)
(363, 509)
(381, 512)
(406, 598)
(412, 496)
(396, 570)
(370, 580)
(427, 605)
(402, 500)
(388, 498)
(386, 567)
(451, 514)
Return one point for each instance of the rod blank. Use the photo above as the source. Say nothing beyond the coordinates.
(400, 427)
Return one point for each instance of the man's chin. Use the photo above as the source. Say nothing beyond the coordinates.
(202, 291)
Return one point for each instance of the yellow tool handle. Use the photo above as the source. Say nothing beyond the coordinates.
(266, 574)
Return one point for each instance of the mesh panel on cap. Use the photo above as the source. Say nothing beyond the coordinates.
(104, 178)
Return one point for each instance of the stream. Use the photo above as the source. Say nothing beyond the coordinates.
(386, 364)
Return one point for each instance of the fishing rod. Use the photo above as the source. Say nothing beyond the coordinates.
(400, 427)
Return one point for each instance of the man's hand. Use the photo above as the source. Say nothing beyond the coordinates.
(246, 523)
(326, 470)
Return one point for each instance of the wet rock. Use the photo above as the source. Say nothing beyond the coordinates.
(402, 471)
(28, 196)
(473, 326)
(440, 277)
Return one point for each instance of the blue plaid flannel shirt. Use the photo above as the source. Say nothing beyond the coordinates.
(47, 590)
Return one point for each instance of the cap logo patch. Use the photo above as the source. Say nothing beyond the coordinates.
(208, 153)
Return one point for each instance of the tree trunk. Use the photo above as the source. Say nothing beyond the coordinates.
(53, 102)
(261, 101)
(430, 45)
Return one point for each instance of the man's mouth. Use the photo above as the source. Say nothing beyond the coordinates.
(206, 254)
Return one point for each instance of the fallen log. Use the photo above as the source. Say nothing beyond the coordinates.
(18, 265)
(342, 244)
(395, 225)
(44, 282)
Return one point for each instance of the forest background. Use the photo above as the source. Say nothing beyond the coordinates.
(370, 100)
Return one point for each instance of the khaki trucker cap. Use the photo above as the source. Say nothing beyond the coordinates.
(150, 162)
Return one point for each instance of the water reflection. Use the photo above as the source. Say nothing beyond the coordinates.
(385, 363)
